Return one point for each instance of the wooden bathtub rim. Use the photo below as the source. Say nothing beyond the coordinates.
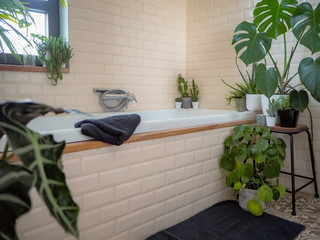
(92, 144)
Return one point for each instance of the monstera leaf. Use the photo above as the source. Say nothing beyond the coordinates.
(266, 80)
(40, 155)
(15, 183)
(307, 18)
(254, 45)
(309, 72)
(299, 100)
(274, 18)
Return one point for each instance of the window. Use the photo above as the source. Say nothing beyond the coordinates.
(46, 22)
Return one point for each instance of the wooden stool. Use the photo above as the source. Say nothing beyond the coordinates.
(290, 132)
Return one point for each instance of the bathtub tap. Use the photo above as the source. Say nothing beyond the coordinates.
(114, 99)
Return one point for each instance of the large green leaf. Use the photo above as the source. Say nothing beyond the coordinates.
(273, 17)
(227, 162)
(309, 72)
(306, 22)
(267, 80)
(254, 45)
(265, 193)
(272, 169)
(299, 100)
(41, 155)
(15, 183)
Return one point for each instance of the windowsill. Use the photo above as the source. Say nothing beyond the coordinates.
(22, 68)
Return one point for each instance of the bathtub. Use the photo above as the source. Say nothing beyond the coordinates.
(62, 126)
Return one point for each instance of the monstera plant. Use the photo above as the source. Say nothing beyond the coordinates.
(253, 42)
(40, 157)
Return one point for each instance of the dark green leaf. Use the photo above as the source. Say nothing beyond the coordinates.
(41, 155)
(242, 153)
(299, 100)
(239, 129)
(265, 193)
(272, 152)
(309, 72)
(248, 128)
(260, 158)
(266, 80)
(262, 144)
(237, 136)
(274, 18)
(244, 179)
(227, 162)
(15, 183)
(272, 169)
(254, 45)
(276, 194)
(306, 22)
(232, 178)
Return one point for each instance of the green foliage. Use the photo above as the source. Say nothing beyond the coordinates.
(194, 91)
(41, 165)
(183, 86)
(272, 108)
(253, 159)
(53, 53)
(271, 20)
(178, 100)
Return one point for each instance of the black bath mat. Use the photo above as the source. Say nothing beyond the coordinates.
(227, 221)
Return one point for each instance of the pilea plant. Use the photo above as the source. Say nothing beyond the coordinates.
(40, 157)
(253, 159)
(53, 53)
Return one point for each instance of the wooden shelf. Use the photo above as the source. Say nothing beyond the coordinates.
(22, 68)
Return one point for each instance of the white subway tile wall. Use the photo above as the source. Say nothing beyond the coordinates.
(132, 191)
(134, 200)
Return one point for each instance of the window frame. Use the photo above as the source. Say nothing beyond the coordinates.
(51, 7)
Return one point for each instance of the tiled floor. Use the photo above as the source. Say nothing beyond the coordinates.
(308, 213)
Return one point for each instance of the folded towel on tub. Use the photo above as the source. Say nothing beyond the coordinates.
(113, 130)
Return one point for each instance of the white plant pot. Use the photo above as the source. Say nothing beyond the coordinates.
(253, 102)
(271, 121)
(195, 105)
(247, 194)
(178, 104)
(265, 102)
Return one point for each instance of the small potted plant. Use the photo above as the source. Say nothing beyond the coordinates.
(194, 91)
(178, 102)
(253, 159)
(53, 54)
(289, 107)
(238, 95)
(271, 118)
(183, 89)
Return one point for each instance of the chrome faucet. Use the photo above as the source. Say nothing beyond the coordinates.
(114, 99)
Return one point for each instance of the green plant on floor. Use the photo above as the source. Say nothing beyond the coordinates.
(40, 157)
(194, 91)
(253, 159)
(273, 19)
(183, 86)
(53, 53)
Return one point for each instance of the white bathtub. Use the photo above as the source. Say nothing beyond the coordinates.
(62, 126)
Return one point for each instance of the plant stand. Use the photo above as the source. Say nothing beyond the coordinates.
(291, 131)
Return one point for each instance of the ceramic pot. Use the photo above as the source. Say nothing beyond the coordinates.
(178, 104)
(265, 101)
(253, 102)
(288, 118)
(186, 102)
(240, 104)
(247, 194)
(271, 121)
(195, 105)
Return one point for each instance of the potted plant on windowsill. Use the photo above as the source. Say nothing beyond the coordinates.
(194, 91)
(183, 89)
(272, 19)
(53, 54)
(40, 157)
(253, 159)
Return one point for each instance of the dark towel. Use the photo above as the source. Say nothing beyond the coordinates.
(113, 130)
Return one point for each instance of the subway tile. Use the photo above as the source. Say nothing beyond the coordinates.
(175, 176)
(50, 232)
(153, 152)
(114, 177)
(129, 221)
(142, 231)
(128, 190)
(98, 199)
(153, 182)
(115, 210)
(103, 231)
(154, 211)
(97, 163)
(127, 157)
(164, 164)
(164, 193)
(82, 185)
(141, 201)
(89, 220)
(141, 170)
(175, 203)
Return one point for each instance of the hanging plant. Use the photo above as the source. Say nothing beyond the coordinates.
(53, 53)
